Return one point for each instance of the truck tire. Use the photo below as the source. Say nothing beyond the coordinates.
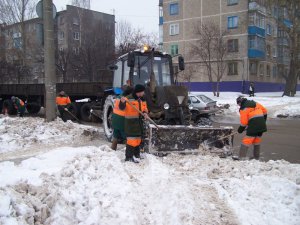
(85, 113)
(107, 115)
(8, 107)
(72, 110)
(33, 107)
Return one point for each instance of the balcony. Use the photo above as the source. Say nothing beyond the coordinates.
(256, 54)
(254, 6)
(161, 20)
(254, 30)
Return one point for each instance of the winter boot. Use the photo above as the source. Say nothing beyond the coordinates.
(242, 153)
(129, 154)
(114, 144)
(137, 152)
(256, 152)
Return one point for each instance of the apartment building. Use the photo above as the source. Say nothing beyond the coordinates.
(256, 50)
(84, 42)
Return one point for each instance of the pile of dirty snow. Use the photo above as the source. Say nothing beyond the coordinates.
(79, 183)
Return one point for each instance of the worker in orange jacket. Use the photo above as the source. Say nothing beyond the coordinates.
(19, 105)
(63, 101)
(253, 117)
(134, 121)
(118, 119)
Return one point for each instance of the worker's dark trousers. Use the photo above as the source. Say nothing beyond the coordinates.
(62, 112)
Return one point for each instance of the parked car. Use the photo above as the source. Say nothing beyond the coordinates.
(201, 108)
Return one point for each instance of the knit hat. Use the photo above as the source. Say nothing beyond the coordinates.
(240, 99)
(139, 88)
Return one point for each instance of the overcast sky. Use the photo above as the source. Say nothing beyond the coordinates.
(140, 13)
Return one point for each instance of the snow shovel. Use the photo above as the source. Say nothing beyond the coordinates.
(72, 115)
(185, 139)
(142, 114)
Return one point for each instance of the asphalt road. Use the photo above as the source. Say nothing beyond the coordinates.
(282, 141)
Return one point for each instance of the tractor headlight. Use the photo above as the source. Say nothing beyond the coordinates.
(190, 107)
(166, 106)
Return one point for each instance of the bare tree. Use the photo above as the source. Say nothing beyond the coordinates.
(129, 39)
(94, 53)
(62, 62)
(289, 23)
(81, 3)
(220, 52)
(211, 49)
(187, 75)
(14, 13)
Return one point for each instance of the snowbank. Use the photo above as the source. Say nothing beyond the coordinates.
(276, 105)
(68, 179)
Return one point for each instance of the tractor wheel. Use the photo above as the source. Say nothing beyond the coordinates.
(8, 107)
(85, 112)
(33, 107)
(107, 117)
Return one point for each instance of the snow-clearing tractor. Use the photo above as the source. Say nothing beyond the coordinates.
(167, 102)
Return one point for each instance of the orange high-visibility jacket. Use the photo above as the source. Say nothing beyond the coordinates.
(133, 120)
(252, 116)
(63, 100)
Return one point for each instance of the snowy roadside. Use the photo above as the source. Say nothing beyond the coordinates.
(73, 177)
(277, 106)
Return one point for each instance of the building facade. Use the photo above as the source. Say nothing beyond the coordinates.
(84, 41)
(257, 51)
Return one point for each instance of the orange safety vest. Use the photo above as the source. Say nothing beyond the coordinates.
(63, 100)
(117, 110)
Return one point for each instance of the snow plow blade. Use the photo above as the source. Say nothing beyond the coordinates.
(168, 139)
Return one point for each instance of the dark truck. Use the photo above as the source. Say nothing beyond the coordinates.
(84, 96)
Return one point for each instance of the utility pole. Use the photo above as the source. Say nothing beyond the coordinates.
(50, 77)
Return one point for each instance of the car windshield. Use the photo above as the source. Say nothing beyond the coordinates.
(204, 98)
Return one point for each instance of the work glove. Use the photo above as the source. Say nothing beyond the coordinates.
(241, 129)
(66, 109)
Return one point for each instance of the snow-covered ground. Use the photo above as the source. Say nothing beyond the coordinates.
(65, 173)
(276, 105)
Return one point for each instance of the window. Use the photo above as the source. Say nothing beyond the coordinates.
(61, 35)
(256, 19)
(232, 2)
(268, 71)
(233, 45)
(268, 50)
(75, 21)
(256, 42)
(61, 20)
(261, 69)
(76, 35)
(174, 9)
(274, 71)
(174, 50)
(174, 29)
(253, 68)
(274, 50)
(232, 22)
(233, 68)
(76, 50)
(269, 29)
